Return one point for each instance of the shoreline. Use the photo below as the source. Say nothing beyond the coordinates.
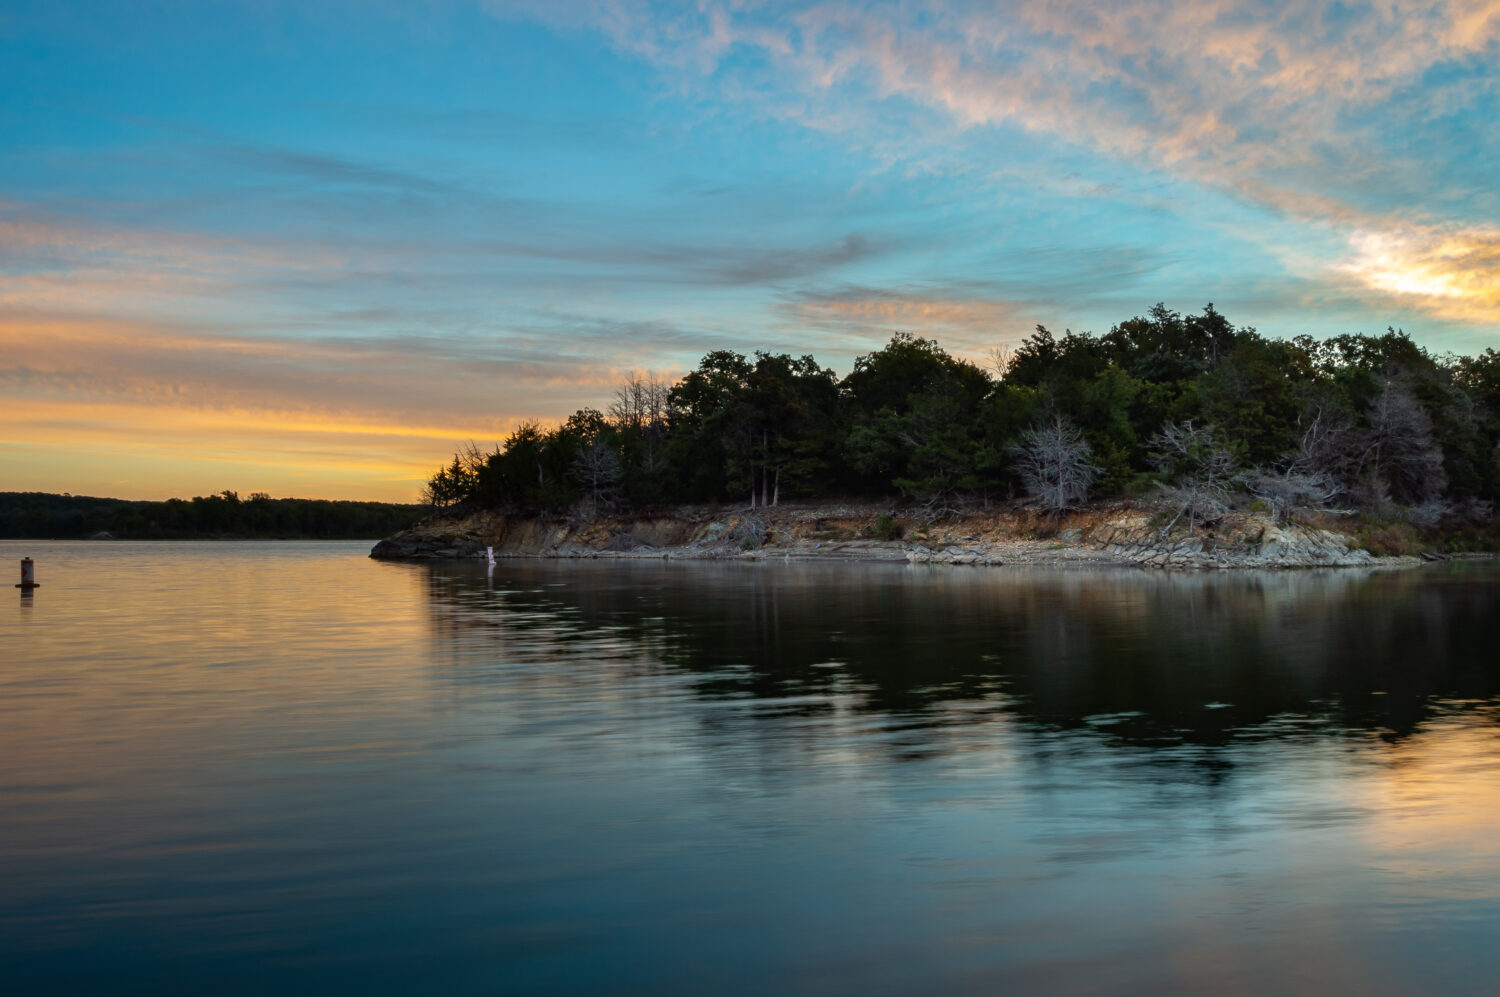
(1119, 535)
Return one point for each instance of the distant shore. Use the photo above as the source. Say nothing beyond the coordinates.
(225, 516)
(1118, 534)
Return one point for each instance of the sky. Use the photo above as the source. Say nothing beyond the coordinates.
(310, 248)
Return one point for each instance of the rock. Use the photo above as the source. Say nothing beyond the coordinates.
(399, 545)
(412, 544)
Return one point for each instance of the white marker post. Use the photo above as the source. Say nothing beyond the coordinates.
(489, 552)
(28, 576)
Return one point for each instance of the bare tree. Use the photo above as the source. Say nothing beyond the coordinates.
(473, 458)
(1329, 446)
(1402, 455)
(1001, 357)
(1055, 465)
(1313, 475)
(625, 410)
(1428, 514)
(640, 402)
(640, 406)
(658, 394)
(1286, 490)
(1203, 472)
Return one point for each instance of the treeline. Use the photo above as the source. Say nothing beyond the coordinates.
(38, 515)
(1187, 408)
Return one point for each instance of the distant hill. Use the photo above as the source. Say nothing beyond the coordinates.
(41, 515)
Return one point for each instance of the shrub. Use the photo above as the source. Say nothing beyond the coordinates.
(1386, 539)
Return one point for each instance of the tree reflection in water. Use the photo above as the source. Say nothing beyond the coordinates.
(1141, 658)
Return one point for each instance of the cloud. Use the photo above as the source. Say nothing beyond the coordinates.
(325, 169)
(1449, 271)
(179, 342)
(1020, 286)
(637, 259)
(869, 315)
(770, 267)
(450, 242)
(471, 385)
(1301, 109)
(359, 416)
(29, 237)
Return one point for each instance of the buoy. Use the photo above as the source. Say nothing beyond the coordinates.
(489, 552)
(28, 575)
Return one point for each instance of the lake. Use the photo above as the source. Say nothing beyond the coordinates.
(284, 767)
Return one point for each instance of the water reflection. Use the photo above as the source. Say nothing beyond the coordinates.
(1141, 658)
(1163, 783)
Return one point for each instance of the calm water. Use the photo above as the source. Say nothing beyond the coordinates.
(284, 767)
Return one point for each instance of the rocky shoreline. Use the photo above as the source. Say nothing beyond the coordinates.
(1117, 535)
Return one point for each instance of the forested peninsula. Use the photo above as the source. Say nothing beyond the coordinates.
(42, 515)
(1189, 421)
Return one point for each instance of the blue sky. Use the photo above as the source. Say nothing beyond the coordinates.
(310, 247)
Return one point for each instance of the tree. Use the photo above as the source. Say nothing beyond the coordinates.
(1406, 464)
(1000, 358)
(1167, 347)
(639, 416)
(450, 485)
(1255, 394)
(596, 468)
(1359, 420)
(1328, 447)
(516, 474)
(915, 418)
(1203, 470)
(1287, 491)
(699, 416)
(891, 377)
(944, 454)
(780, 426)
(640, 402)
(1314, 473)
(1054, 463)
(1058, 364)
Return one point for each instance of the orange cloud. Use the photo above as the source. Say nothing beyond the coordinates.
(969, 325)
(130, 409)
(1449, 271)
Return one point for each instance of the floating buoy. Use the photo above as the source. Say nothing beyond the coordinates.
(28, 575)
(489, 552)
